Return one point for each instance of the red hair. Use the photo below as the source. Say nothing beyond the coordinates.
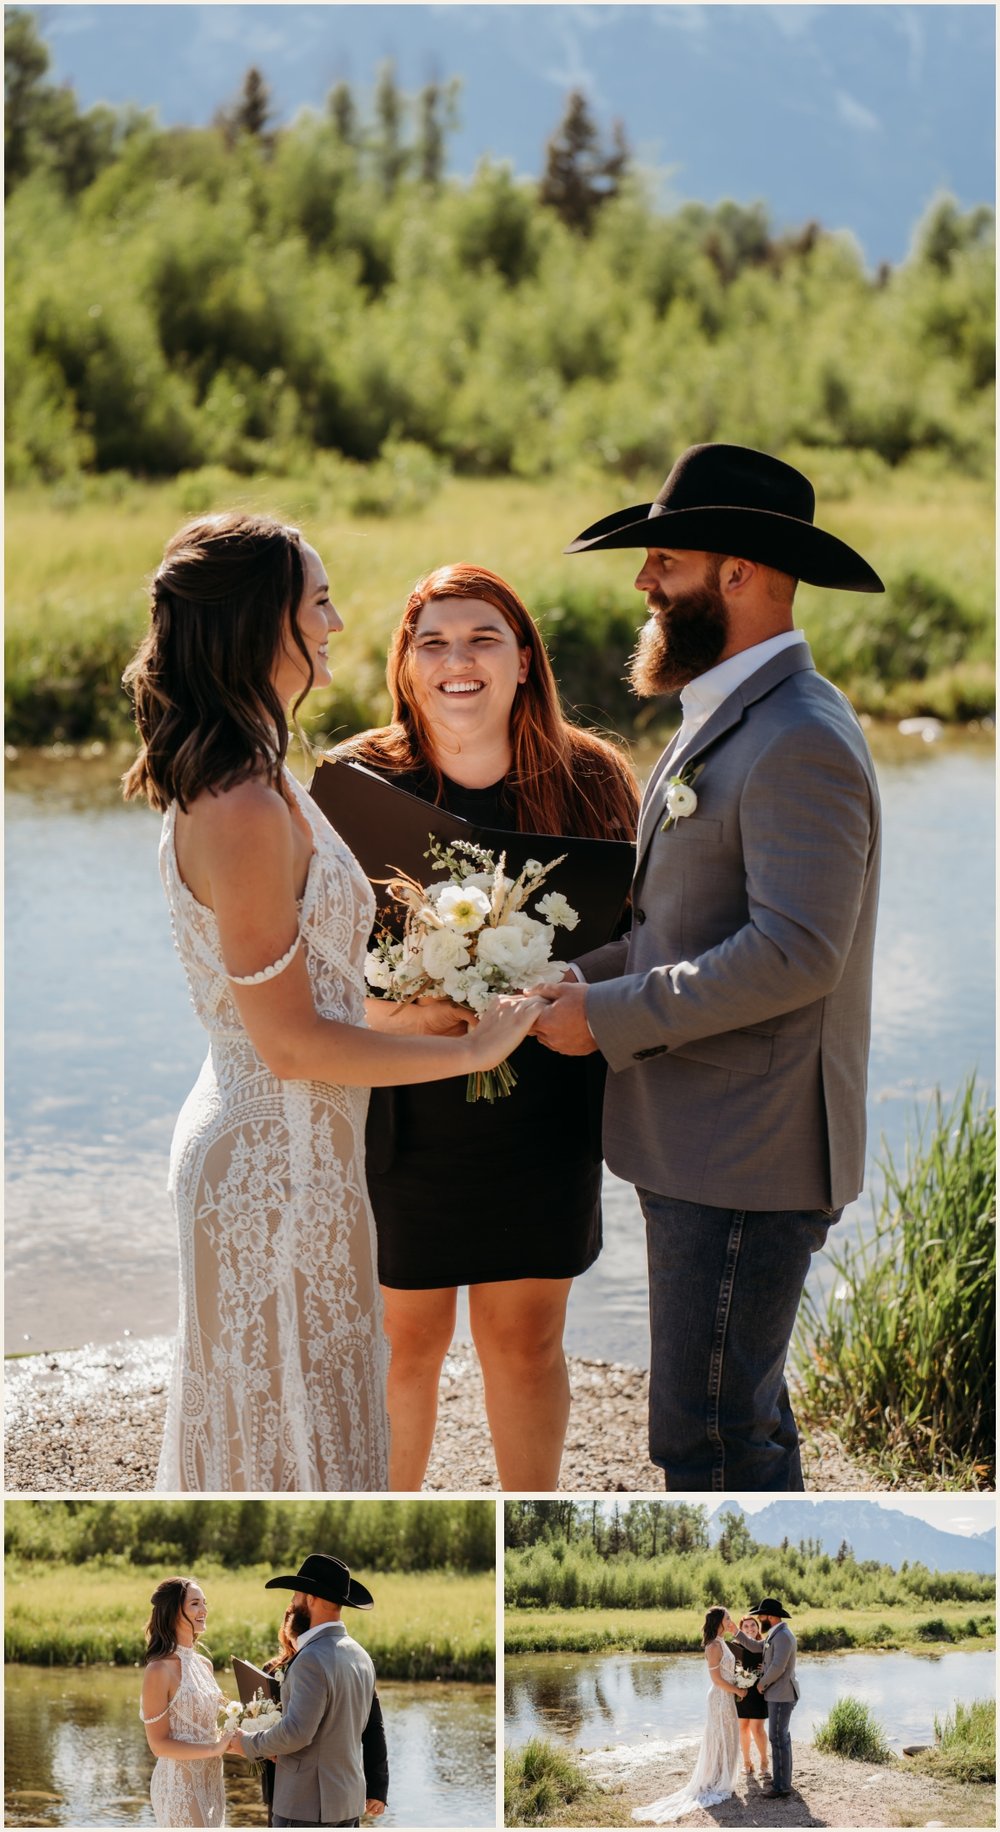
(562, 779)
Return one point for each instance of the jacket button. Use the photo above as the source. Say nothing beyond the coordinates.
(640, 915)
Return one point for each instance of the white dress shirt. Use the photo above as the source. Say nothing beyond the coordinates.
(701, 696)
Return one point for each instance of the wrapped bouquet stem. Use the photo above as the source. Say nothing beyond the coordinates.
(468, 937)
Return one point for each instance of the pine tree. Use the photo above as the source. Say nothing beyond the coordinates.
(579, 174)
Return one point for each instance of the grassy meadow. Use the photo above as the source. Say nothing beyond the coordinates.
(678, 1631)
(425, 1625)
(79, 553)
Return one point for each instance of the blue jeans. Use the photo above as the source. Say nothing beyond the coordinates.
(724, 1287)
(779, 1736)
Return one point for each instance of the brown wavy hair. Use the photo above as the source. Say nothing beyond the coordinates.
(562, 779)
(167, 1601)
(712, 1624)
(224, 594)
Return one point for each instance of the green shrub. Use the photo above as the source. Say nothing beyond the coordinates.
(852, 1731)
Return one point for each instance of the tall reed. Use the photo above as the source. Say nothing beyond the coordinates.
(852, 1731)
(901, 1356)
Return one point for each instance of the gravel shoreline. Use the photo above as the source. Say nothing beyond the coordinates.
(826, 1791)
(89, 1420)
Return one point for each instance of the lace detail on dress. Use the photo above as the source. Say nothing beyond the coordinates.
(717, 1767)
(279, 1375)
(190, 1793)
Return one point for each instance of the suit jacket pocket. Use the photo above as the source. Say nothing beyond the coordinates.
(290, 1761)
(747, 1051)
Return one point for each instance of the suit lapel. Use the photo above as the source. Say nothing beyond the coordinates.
(730, 713)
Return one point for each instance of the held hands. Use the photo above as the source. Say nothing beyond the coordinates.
(563, 1025)
(502, 1027)
(374, 1808)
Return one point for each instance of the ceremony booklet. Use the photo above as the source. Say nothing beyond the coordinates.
(250, 1680)
(387, 829)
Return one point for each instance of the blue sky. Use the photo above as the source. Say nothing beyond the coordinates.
(853, 114)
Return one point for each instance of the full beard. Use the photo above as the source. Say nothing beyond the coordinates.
(683, 638)
(299, 1622)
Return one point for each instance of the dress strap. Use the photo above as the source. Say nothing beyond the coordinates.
(153, 1720)
(267, 973)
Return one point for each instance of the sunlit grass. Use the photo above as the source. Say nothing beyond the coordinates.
(78, 557)
(853, 1731)
(900, 1356)
(678, 1631)
(424, 1625)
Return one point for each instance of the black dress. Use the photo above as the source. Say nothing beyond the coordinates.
(469, 1193)
(755, 1704)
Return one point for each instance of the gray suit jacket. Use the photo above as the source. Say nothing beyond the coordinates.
(736, 1015)
(326, 1697)
(777, 1679)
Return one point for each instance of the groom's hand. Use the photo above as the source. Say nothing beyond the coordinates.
(563, 1025)
(374, 1808)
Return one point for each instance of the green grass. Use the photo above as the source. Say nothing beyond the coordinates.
(899, 1358)
(544, 1787)
(424, 1626)
(78, 556)
(650, 1631)
(852, 1731)
(965, 1743)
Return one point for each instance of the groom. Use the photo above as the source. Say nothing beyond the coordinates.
(779, 1687)
(735, 1017)
(326, 1700)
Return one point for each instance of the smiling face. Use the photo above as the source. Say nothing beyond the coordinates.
(316, 618)
(193, 1614)
(465, 666)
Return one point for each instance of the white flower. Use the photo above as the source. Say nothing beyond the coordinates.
(379, 970)
(443, 949)
(557, 911)
(681, 800)
(463, 906)
(520, 949)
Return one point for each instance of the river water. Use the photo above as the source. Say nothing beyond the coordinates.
(102, 1046)
(640, 1702)
(76, 1754)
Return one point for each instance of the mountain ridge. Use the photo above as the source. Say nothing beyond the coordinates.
(872, 1532)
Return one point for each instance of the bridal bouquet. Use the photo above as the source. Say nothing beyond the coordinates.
(260, 1713)
(469, 938)
(743, 1678)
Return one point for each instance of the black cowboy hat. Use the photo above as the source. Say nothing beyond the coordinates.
(731, 499)
(769, 1607)
(326, 1577)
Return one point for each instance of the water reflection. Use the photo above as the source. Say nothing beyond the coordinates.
(102, 1045)
(591, 1700)
(75, 1753)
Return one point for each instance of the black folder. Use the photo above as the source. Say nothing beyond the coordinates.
(250, 1680)
(387, 829)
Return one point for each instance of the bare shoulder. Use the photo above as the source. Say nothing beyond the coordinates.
(159, 1673)
(251, 816)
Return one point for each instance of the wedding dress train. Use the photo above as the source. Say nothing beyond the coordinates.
(717, 1767)
(279, 1373)
(190, 1793)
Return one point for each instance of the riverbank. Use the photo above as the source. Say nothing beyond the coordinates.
(90, 1420)
(878, 1627)
(827, 1791)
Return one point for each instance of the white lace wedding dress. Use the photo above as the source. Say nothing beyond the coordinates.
(190, 1793)
(279, 1373)
(717, 1767)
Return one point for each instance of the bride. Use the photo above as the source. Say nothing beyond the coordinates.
(280, 1368)
(715, 1771)
(180, 1707)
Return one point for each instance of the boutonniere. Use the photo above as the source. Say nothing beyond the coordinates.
(681, 798)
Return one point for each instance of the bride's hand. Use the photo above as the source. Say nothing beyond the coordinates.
(502, 1027)
(417, 1017)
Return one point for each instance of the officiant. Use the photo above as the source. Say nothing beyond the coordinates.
(503, 1197)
